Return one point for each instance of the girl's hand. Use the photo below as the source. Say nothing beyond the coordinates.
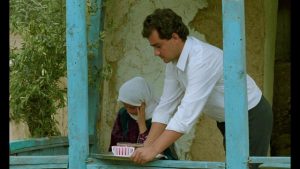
(141, 118)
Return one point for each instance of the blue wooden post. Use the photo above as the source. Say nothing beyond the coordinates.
(236, 113)
(77, 70)
(95, 65)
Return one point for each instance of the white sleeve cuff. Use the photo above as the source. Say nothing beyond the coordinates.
(178, 126)
(161, 118)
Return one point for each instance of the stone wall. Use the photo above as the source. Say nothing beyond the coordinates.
(129, 54)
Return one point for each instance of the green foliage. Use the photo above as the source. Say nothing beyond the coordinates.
(35, 68)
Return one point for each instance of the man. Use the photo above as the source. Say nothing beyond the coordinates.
(194, 84)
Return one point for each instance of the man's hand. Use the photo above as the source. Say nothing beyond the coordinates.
(149, 152)
(143, 155)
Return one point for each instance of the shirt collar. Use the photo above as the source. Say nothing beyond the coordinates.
(184, 54)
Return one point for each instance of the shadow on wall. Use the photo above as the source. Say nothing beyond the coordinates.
(281, 136)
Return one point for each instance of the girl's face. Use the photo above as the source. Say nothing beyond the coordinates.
(131, 109)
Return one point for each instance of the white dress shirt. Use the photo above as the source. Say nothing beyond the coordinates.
(194, 84)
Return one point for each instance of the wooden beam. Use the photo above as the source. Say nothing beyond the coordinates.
(77, 71)
(95, 64)
(236, 116)
(101, 162)
(253, 159)
(275, 166)
(39, 166)
(18, 146)
(17, 160)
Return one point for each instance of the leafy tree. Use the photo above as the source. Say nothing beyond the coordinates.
(36, 68)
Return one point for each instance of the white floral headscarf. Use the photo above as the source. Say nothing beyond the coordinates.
(136, 91)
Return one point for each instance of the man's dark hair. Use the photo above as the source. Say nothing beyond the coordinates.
(166, 22)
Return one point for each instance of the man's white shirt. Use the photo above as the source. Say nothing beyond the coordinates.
(194, 84)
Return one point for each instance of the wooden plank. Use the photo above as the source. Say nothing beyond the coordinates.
(49, 151)
(275, 166)
(39, 166)
(118, 167)
(110, 156)
(42, 149)
(77, 71)
(237, 143)
(123, 167)
(93, 162)
(37, 143)
(253, 159)
(16, 160)
(28, 146)
(272, 162)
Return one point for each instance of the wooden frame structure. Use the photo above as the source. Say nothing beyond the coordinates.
(83, 100)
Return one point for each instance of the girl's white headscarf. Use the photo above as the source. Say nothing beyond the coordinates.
(134, 92)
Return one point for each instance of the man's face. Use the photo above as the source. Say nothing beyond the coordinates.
(167, 50)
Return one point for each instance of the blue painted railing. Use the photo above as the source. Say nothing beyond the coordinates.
(236, 116)
(40, 146)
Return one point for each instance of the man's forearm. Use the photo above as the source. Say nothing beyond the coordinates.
(156, 130)
(165, 140)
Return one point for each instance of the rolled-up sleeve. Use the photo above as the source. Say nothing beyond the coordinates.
(171, 97)
(201, 79)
